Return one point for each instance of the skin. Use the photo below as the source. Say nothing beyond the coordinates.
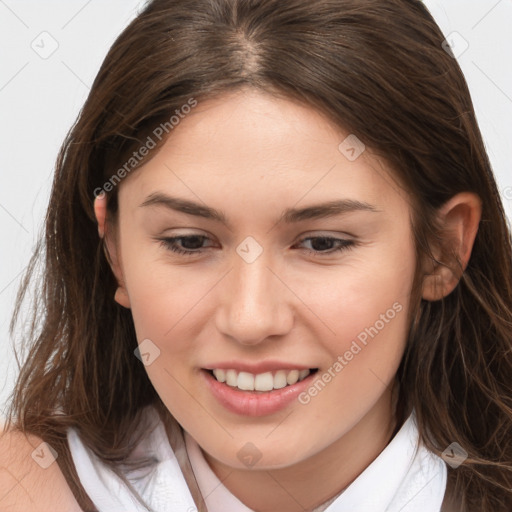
(24, 484)
(252, 156)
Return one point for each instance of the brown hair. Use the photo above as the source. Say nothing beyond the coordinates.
(376, 68)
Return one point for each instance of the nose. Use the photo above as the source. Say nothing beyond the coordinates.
(254, 303)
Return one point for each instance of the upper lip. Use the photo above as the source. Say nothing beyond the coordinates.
(256, 368)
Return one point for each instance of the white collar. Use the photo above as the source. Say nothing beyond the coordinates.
(405, 477)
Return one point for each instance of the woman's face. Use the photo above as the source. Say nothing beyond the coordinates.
(275, 282)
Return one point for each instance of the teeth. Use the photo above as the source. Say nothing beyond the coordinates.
(280, 379)
(220, 375)
(262, 381)
(246, 381)
(303, 374)
(231, 378)
(292, 377)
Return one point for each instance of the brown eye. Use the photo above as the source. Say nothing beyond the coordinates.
(324, 245)
(192, 243)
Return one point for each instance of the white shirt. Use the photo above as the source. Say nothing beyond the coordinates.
(405, 477)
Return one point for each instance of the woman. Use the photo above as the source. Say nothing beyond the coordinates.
(200, 347)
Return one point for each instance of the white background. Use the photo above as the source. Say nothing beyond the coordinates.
(41, 97)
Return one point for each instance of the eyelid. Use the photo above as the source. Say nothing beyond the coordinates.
(302, 236)
(341, 245)
(326, 234)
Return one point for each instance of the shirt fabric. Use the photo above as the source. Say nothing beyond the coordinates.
(405, 477)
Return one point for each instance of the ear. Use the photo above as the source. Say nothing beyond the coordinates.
(110, 244)
(459, 219)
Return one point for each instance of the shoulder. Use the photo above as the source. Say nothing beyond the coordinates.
(30, 478)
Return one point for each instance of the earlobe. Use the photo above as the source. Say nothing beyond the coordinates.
(121, 297)
(100, 211)
(459, 218)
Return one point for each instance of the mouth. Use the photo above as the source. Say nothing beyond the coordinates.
(261, 382)
(260, 394)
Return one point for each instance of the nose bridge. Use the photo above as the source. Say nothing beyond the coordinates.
(253, 305)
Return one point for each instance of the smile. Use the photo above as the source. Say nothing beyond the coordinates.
(257, 394)
(267, 381)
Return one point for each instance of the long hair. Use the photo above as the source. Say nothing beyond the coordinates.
(376, 68)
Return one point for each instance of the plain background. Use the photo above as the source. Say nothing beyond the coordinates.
(42, 93)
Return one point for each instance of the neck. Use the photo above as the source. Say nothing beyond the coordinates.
(315, 480)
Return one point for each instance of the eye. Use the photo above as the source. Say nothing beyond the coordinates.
(323, 245)
(192, 244)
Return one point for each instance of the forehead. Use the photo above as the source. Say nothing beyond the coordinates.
(249, 150)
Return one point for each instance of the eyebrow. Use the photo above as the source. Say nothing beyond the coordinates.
(289, 216)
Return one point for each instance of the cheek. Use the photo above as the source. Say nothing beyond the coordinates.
(365, 298)
(162, 303)
(162, 294)
(366, 307)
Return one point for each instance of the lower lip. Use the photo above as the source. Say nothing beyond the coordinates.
(255, 403)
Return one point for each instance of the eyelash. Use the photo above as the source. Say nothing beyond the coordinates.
(168, 243)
